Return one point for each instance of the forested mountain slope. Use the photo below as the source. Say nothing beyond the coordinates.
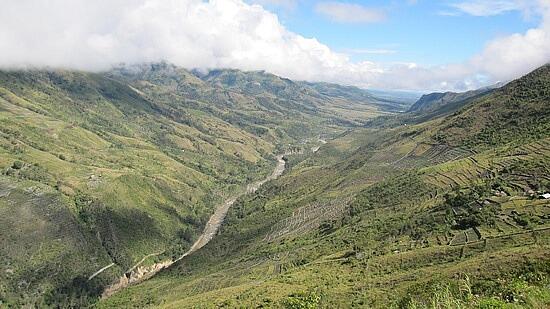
(444, 212)
(104, 169)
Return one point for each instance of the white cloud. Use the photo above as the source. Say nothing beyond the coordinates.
(494, 7)
(487, 7)
(504, 57)
(349, 13)
(369, 51)
(287, 4)
(448, 13)
(94, 35)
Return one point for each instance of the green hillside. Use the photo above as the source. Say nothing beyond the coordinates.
(517, 112)
(440, 213)
(343, 105)
(387, 101)
(438, 100)
(104, 169)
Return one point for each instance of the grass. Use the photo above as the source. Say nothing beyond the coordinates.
(133, 163)
(439, 214)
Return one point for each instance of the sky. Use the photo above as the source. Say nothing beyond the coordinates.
(396, 44)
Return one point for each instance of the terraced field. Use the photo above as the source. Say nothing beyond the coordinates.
(428, 155)
(307, 218)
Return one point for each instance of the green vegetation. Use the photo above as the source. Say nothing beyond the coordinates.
(528, 288)
(442, 213)
(516, 112)
(101, 168)
(445, 212)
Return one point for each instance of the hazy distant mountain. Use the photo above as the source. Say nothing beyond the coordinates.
(405, 97)
(389, 101)
(257, 82)
(448, 100)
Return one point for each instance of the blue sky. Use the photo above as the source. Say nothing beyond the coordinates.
(426, 32)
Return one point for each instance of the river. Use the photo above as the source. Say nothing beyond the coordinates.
(140, 273)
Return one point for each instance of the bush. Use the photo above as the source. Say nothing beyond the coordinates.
(302, 301)
(472, 212)
(37, 173)
(17, 165)
(491, 303)
(78, 293)
(327, 227)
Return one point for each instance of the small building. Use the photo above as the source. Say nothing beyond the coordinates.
(545, 196)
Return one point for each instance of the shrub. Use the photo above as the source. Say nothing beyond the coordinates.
(18, 165)
(302, 301)
(491, 303)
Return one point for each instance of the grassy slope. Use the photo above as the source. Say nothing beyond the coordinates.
(123, 164)
(435, 213)
(335, 102)
(438, 100)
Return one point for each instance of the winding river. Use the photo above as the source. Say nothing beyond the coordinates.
(140, 273)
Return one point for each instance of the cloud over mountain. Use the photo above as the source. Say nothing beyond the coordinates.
(93, 35)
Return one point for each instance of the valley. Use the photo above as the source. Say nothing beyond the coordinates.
(135, 161)
(137, 274)
(276, 154)
(387, 215)
(154, 186)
